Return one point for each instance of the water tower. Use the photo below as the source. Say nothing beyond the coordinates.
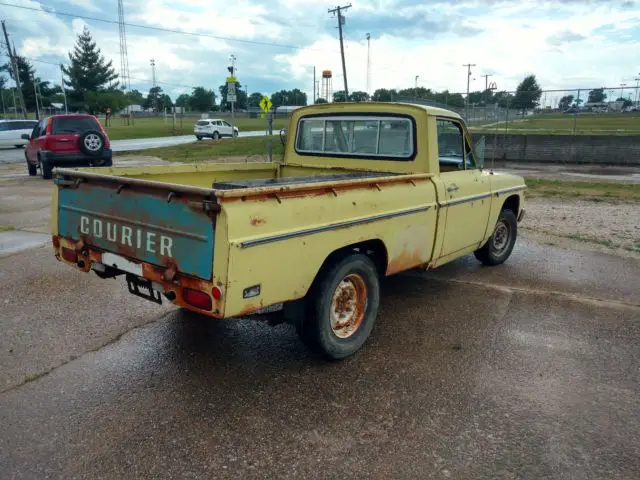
(326, 90)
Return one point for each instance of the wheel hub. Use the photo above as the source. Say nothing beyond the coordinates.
(500, 237)
(348, 305)
(92, 142)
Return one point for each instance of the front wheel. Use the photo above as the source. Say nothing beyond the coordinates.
(499, 246)
(342, 308)
(33, 169)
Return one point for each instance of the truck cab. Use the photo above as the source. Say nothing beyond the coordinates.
(364, 190)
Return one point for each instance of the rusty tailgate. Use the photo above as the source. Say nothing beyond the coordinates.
(148, 225)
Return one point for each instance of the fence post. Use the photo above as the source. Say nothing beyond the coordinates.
(575, 113)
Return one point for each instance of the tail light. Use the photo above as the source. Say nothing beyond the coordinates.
(217, 293)
(69, 255)
(56, 241)
(197, 299)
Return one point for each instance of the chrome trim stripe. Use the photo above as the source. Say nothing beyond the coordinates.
(511, 189)
(470, 198)
(333, 226)
(151, 226)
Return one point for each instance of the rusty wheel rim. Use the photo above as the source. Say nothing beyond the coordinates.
(501, 236)
(348, 305)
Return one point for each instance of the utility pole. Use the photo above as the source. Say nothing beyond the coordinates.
(64, 92)
(468, 65)
(486, 81)
(417, 77)
(314, 84)
(16, 72)
(339, 10)
(35, 92)
(368, 37)
(637, 79)
(622, 85)
(153, 81)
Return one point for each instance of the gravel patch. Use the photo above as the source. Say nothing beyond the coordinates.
(604, 226)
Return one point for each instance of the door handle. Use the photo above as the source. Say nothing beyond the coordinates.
(452, 188)
(63, 140)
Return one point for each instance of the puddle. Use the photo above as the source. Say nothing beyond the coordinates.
(17, 241)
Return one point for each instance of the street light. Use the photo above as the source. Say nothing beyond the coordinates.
(417, 76)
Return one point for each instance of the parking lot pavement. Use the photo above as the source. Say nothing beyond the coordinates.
(527, 370)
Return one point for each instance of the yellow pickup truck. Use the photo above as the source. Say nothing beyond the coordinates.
(364, 190)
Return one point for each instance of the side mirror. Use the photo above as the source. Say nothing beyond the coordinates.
(24, 136)
(283, 136)
(480, 147)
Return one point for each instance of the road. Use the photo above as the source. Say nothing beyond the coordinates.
(16, 155)
(527, 370)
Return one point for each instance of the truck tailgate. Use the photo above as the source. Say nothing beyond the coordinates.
(144, 224)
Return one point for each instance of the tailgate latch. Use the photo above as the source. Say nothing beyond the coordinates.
(210, 207)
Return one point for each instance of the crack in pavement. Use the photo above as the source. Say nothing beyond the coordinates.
(37, 376)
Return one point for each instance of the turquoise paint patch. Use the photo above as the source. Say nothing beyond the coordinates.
(139, 226)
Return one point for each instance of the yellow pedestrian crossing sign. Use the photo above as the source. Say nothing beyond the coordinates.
(265, 104)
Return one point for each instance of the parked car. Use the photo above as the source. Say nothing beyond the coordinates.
(11, 132)
(308, 237)
(67, 140)
(214, 128)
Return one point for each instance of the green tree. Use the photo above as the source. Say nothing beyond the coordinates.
(153, 98)
(100, 101)
(183, 100)
(254, 99)
(384, 95)
(241, 98)
(135, 97)
(89, 72)
(625, 102)
(339, 96)
(165, 102)
(294, 97)
(597, 95)
(202, 100)
(527, 94)
(359, 96)
(565, 102)
(321, 100)
(26, 74)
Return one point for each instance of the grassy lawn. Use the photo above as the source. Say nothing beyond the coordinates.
(6, 228)
(593, 190)
(212, 149)
(586, 124)
(161, 127)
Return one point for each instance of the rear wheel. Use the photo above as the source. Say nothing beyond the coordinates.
(45, 168)
(500, 245)
(342, 308)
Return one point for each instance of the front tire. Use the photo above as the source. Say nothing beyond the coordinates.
(342, 308)
(500, 245)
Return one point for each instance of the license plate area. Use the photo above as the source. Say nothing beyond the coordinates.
(143, 288)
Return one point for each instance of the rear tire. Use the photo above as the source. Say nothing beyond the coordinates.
(342, 307)
(33, 169)
(45, 168)
(500, 245)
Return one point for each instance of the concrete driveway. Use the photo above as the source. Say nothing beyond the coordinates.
(527, 370)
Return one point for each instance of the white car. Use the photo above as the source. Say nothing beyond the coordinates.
(11, 132)
(214, 128)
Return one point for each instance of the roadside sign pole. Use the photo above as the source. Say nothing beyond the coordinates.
(270, 131)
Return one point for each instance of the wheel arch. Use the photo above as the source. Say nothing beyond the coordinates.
(512, 203)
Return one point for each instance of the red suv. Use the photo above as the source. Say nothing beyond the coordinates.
(67, 140)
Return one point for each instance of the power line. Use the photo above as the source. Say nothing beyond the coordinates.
(158, 29)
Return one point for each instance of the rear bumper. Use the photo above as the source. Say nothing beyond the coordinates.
(75, 159)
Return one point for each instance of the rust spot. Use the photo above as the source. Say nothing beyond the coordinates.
(248, 309)
(404, 261)
(255, 221)
(170, 273)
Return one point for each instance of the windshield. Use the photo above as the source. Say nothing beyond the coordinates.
(73, 125)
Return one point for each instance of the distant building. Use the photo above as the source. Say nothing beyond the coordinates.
(287, 109)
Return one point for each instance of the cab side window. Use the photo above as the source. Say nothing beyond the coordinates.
(451, 145)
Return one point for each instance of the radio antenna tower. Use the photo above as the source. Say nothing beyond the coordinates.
(125, 77)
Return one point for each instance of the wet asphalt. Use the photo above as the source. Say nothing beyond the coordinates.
(527, 370)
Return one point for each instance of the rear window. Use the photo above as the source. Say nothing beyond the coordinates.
(202, 123)
(73, 125)
(17, 125)
(384, 137)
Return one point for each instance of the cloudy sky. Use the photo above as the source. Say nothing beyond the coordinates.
(566, 43)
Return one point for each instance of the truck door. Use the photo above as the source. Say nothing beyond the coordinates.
(467, 187)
